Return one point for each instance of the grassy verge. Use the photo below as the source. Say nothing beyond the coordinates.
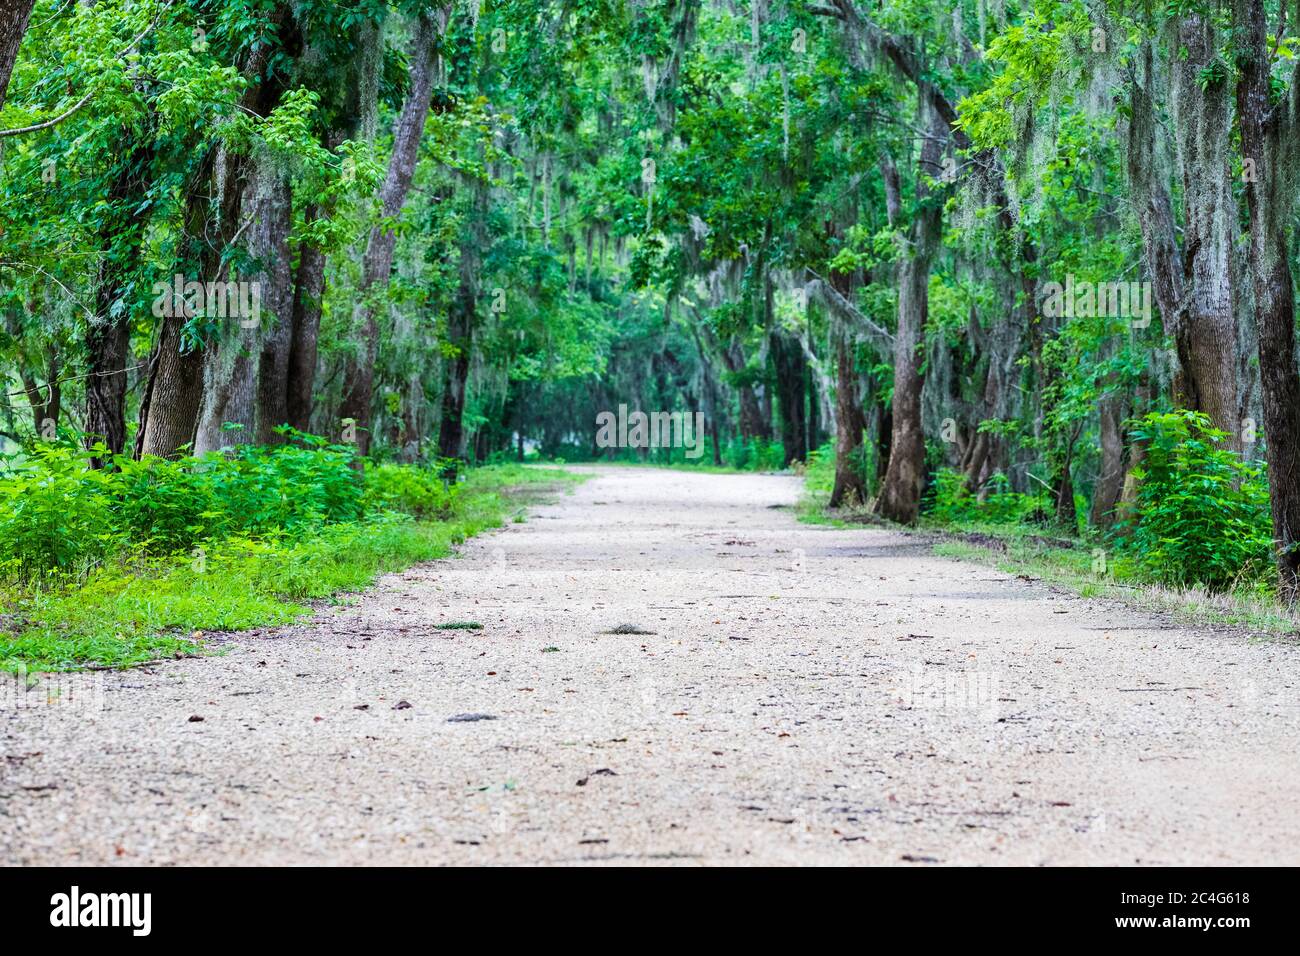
(1074, 564)
(1026, 554)
(129, 612)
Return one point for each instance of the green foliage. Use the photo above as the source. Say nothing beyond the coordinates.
(1202, 514)
(953, 504)
(753, 454)
(121, 615)
(59, 515)
(819, 475)
(414, 491)
(134, 605)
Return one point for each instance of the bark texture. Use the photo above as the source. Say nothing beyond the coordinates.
(270, 240)
(174, 393)
(1207, 323)
(1269, 140)
(1193, 286)
(14, 15)
(1152, 203)
(455, 371)
(1110, 477)
(753, 423)
(173, 396)
(461, 321)
(245, 372)
(360, 114)
(308, 293)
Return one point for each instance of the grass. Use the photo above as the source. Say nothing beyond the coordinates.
(131, 612)
(1042, 554)
(1021, 552)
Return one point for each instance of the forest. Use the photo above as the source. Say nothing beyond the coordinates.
(701, 433)
(963, 262)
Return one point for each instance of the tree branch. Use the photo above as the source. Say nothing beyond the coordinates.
(900, 55)
(881, 339)
(37, 127)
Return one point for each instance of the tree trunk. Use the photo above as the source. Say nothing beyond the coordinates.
(46, 403)
(1152, 203)
(108, 343)
(169, 412)
(359, 378)
(1063, 490)
(13, 24)
(884, 416)
(461, 321)
(412, 420)
(1193, 291)
(246, 373)
(170, 409)
(269, 243)
(788, 363)
(1269, 143)
(1110, 478)
(308, 293)
(460, 331)
(1136, 453)
(709, 392)
(359, 121)
(108, 337)
(850, 484)
(752, 422)
(1207, 326)
(900, 498)
(229, 382)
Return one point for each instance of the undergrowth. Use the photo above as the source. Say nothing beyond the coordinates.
(116, 567)
(1196, 536)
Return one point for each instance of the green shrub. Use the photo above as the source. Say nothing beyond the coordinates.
(1202, 514)
(753, 454)
(139, 592)
(819, 476)
(58, 515)
(415, 491)
(953, 504)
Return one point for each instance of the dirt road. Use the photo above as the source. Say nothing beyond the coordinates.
(807, 695)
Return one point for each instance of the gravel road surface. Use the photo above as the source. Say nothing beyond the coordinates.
(803, 695)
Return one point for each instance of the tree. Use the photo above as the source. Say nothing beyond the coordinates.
(378, 261)
(13, 25)
(1270, 142)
